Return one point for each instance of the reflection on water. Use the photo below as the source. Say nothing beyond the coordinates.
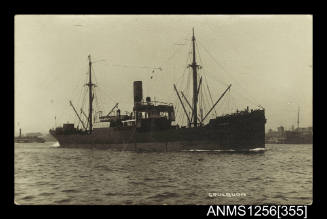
(48, 174)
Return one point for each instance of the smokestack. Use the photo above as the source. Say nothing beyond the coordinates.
(138, 92)
(20, 132)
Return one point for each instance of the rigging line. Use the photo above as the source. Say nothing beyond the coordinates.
(65, 111)
(217, 106)
(181, 77)
(99, 98)
(96, 100)
(218, 63)
(75, 89)
(230, 74)
(212, 57)
(82, 93)
(77, 99)
(95, 79)
(100, 95)
(245, 97)
(190, 54)
(248, 97)
(79, 120)
(188, 82)
(203, 97)
(221, 82)
(136, 66)
(207, 106)
(187, 61)
(189, 86)
(169, 58)
(206, 96)
(83, 101)
(94, 90)
(224, 69)
(188, 57)
(201, 103)
(186, 66)
(211, 115)
(198, 52)
(108, 97)
(211, 98)
(203, 69)
(83, 97)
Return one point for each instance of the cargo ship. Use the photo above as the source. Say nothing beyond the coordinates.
(149, 127)
(28, 139)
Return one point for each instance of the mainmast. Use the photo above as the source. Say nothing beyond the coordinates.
(90, 94)
(195, 84)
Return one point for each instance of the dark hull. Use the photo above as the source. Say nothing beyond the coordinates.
(240, 136)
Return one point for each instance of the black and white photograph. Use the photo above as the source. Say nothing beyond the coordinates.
(133, 109)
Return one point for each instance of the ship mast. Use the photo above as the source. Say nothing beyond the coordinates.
(90, 94)
(194, 67)
(298, 118)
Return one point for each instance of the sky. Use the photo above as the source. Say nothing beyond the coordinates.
(266, 58)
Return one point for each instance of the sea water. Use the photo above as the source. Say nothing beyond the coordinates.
(48, 174)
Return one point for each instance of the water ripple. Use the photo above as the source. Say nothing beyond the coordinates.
(47, 174)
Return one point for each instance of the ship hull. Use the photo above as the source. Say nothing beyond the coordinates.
(161, 147)
(201, 138)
